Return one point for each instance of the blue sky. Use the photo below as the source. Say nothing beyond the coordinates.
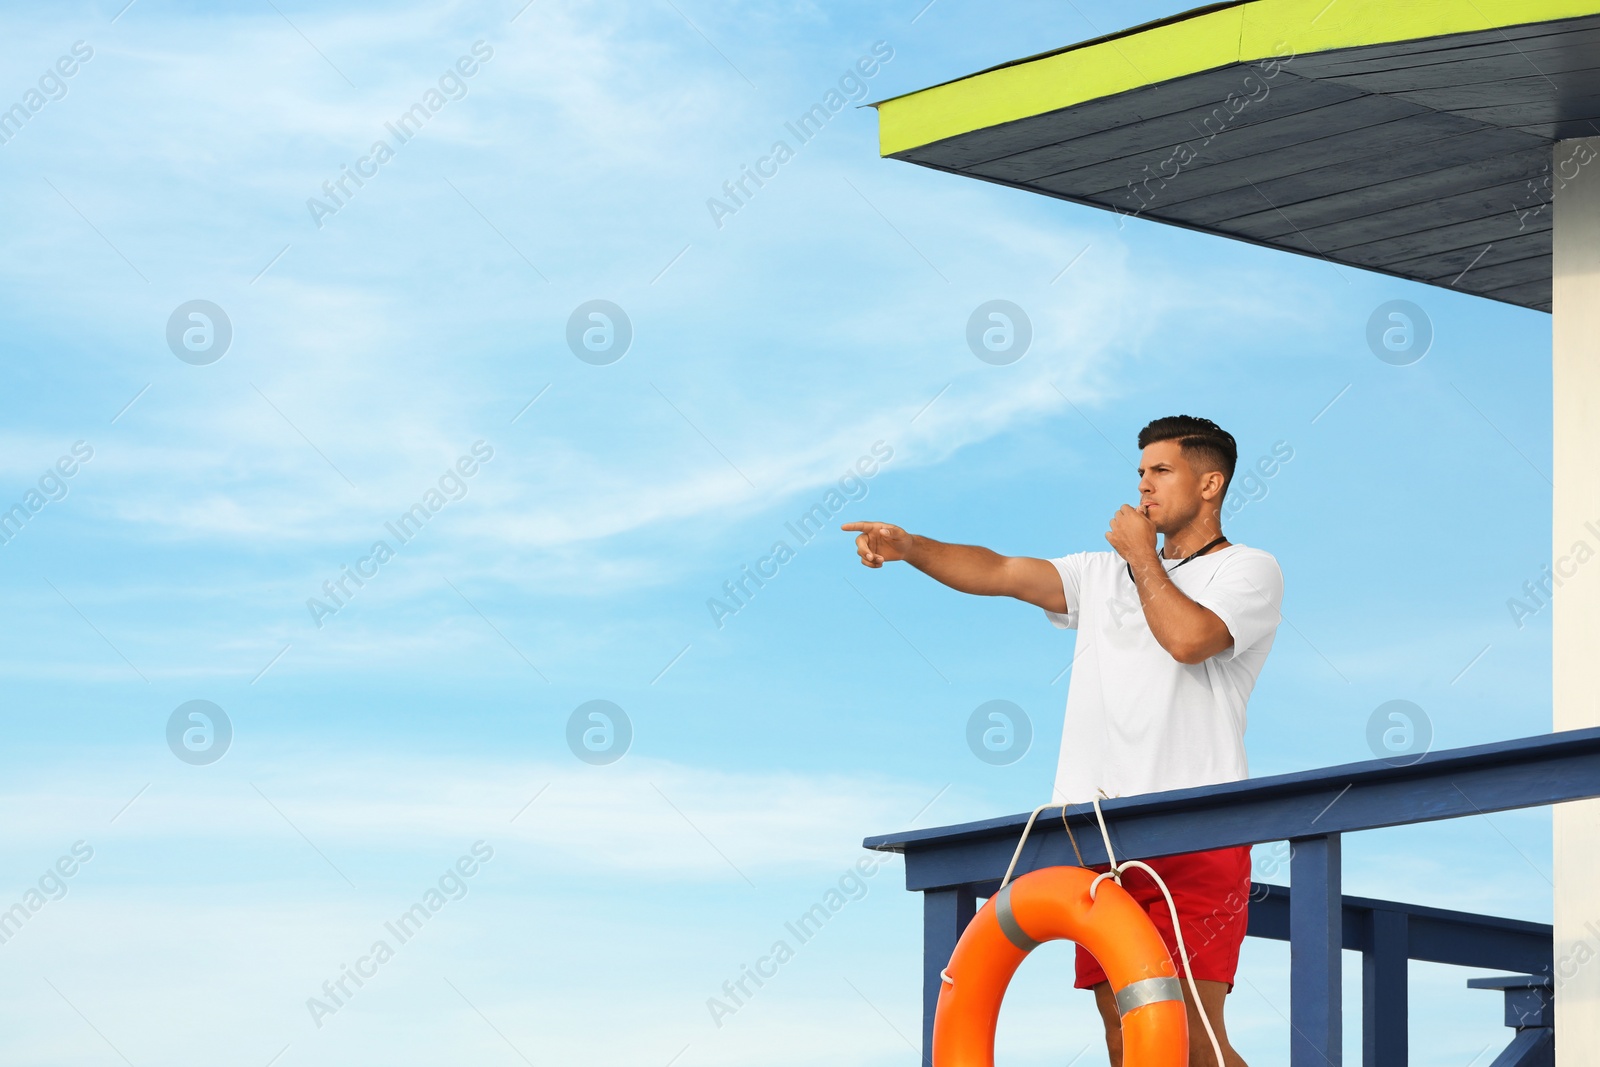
(769, 354)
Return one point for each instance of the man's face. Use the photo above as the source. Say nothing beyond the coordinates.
(1169, 488)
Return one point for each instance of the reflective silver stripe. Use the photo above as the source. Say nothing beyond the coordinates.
(1008, 922)
(1147, 991)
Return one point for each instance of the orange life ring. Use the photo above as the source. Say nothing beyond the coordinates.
(1053, 904)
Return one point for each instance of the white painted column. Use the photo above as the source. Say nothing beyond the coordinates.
(1575, 177)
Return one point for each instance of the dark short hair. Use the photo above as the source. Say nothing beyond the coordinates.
(1207, 446)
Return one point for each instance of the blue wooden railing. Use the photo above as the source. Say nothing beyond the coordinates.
(953, 867)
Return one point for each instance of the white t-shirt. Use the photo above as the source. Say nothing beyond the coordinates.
(1137, 720)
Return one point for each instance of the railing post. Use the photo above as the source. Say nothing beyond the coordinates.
(1530, 1010)
(1315, 941)
(945, 913)
(1384, 990)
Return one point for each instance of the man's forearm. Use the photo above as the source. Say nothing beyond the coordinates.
(967, 568)
(1178, 624)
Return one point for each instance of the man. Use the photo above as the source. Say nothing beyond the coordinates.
(1170, 644)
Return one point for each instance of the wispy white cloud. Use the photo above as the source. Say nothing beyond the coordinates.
(648, 817)
(341, 358)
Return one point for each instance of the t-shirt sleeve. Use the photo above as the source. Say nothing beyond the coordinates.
(1247, 595)
(1071, 570)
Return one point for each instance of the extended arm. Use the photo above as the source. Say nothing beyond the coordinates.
(966, 568)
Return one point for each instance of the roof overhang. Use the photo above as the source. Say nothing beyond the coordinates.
(1413, 139)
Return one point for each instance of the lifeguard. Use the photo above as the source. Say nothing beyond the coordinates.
(1170, 644)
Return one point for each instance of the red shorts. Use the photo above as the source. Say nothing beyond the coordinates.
(1212, 894)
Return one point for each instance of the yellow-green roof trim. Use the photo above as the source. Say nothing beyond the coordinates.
(1206, 40)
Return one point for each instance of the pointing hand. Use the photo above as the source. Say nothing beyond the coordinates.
(879, 541)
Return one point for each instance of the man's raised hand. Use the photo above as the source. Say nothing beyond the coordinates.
(879, 541)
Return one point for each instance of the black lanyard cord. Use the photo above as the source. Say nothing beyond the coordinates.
(1186, 559)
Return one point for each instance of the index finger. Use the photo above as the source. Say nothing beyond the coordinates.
(860, 525)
